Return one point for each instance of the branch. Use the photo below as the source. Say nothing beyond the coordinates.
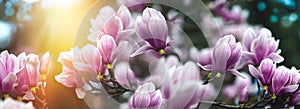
(219, 104)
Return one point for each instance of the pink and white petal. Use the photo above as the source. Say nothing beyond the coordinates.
(158, 28)
(8, 82)
(80, 93)
(66, 79)
(113, 27)
(276, 57)
(125, 16)
(29, 96)
(254, 72)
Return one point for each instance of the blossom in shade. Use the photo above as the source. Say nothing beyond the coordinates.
(152, 28)
(108, 22)
(146, 97)
(124, 75)
(258, 46)
(203, 57)
(221, 8)
(241, 88)
(264, 73)
(294, 98)
(226, 53)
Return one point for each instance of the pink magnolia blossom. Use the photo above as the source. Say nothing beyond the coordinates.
(259, 46)
(68, 77)
(226, 53)
(106, 46)
(146, 97)
(152, 28)
(9, 67)
(109, 22)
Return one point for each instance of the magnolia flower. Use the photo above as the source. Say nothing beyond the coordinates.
(109, 22)
(225, 55)
(188, 93)
(152, 28)
(294, 98)
(241, 88)
(88, 61)
(68, 77)
(106, 46)
(9, 103)
(124, 75)
(236, 15)
(145, 97)
(44, 65)
(9, 67)
(32, 67)
(260, 46)
(282, 82)
(264, 73)
(203, 57)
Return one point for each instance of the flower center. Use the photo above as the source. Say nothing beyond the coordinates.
(162, 52)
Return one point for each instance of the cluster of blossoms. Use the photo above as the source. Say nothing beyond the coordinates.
(124, 46)
(21, 75)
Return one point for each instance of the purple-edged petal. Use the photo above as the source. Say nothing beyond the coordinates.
(142, 28)
(205, 67)
(7, 83)
(267, 69)
(236, 73)
(141, 50)
(249, 36)
(158, 28)
(254, 72)
(289, 89)
(221, 54)
(236, 54)
(125, 16)
(276, 57)
(260, 47)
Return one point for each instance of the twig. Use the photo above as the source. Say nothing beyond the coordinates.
(219, 104)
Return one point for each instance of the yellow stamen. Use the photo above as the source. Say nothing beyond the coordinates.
(108, 66)
(20, 98)
(43, 76)
(209, 75)
(265, 87)
(162, 52)
(273, 97)
(33, 90)
(218, 75)
(242, 105)
(99, 76)
(6, 96)
(288, 99)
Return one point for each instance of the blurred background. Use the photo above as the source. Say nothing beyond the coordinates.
(37, 26)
